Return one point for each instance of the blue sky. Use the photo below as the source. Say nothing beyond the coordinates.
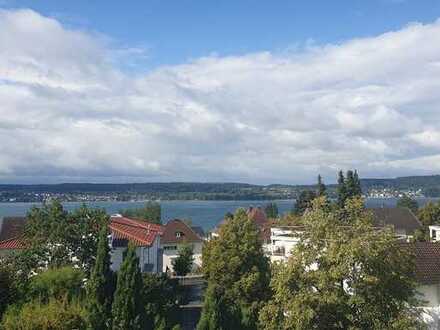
(249, 91)
(177, 31)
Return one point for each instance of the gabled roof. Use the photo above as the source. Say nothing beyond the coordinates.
(139, 232)
(11, 227)
(427, 260)
(398, 217)
(186, 233)
(11, 233)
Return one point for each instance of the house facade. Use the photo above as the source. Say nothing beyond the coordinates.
(175, 234)
(145, 236)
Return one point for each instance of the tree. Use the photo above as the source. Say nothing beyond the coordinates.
(100, 287)
(128, 311)
(341, 190)
(57, 238)
(7, 290)
(350, 184)
(161, 300)
(343, 277)
(271, 210)
(408, 202)
(237, 272)
(150, 212)
(304, 201)
(58, 283)
(55, 315)
(357, 182)
(321, 189)
(182, 265)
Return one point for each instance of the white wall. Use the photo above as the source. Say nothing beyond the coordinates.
(146, 255)
(170, 255)
(282, 241)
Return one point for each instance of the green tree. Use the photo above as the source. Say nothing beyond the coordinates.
(161, 300)
(54, 315)
(182, 265)
(100, 287)
(357, 183)
(429, 214)
(341, 190)
(7, 290)
(409, 203)
(271, 210)
(343, 277)
(237, 272)
(150, 212)
(57, 238)
(321, 189)
(128, 311)
(59, 283)
(304, 201)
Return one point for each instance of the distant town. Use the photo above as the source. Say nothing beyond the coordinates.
(415, 187)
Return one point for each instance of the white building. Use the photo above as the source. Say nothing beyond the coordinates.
(175, 234)
(144, 235)
(282, 240)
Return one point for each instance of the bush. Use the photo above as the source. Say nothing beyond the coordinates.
(57, 283)
(56, 314)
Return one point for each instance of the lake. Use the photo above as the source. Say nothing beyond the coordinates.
(202, 213)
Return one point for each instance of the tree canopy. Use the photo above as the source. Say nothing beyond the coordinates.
(408, 202)
(271, 210)
(304, 201)
(238, 274)
(343, 277)
(183, 264)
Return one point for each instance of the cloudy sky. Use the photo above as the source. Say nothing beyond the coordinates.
(83, 99)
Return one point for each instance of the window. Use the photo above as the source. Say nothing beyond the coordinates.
(170, 247)
(434, 235)
(179, 234)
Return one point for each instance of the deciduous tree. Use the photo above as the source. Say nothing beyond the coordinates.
(182, 265)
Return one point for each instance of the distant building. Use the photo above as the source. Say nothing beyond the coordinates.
(145, 236)
(282, 240)
(11, 235)
(434, 233)
(175, 234)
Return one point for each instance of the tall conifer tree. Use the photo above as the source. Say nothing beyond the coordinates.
(100, 287)
(341, 190)
(357, 182)
(321, 187)
(128, 311)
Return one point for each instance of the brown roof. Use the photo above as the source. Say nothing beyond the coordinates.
(11, 227)
(187, 234)
(398, 217)
(141, 233)
(427, 259)
(258, 216)
(16, 243)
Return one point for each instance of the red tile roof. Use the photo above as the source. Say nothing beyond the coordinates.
(16, 243)
(187, 234)
(139, 232)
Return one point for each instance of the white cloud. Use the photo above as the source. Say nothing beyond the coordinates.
(68, 110)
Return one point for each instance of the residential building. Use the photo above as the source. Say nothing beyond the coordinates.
(427, 261)
(11, 235)
(175, 234)
(282, 240)
(145, 236)
(402, 220)
(434, 233)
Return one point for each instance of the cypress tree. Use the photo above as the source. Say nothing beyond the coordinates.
(350, 185)
(341, 190)
(321, 187)
(357, 182)
(100, 287)
(128, 311)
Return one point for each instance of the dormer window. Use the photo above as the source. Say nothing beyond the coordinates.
(179, 234)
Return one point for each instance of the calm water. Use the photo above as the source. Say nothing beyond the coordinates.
(202, 213)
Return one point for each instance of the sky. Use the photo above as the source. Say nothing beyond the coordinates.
(244, 91)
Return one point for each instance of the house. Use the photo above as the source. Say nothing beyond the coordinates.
(11, 235)
(401, 219)
(145, 236)
(282, 240)
(175, 234)
(427, 262)
(434, 233)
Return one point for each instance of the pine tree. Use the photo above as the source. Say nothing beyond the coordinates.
(128, 311)
(100, 287)
(350, 184)
(341, 190)
(321, 187)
